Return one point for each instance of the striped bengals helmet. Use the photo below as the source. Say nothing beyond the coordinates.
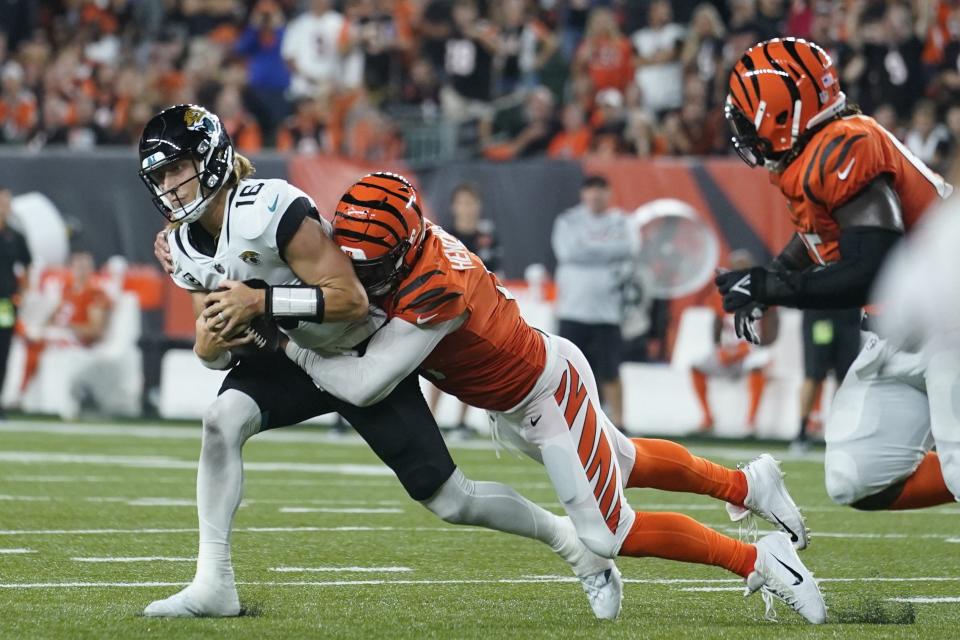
(779, 91)
(379, 224)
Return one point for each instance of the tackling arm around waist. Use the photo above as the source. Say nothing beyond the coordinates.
(393, 353)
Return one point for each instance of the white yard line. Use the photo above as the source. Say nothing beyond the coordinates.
(339, 510)
(55, 532)
(7, 498)
(15, 551)
(427, 582)
(341, 569)
(165, 462)
(927, 599)
(135, 559)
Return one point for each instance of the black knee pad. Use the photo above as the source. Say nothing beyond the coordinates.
(882, 500)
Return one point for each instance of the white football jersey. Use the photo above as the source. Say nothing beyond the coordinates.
(248, 249)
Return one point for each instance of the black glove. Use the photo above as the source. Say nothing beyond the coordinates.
(740, 288)
(735, 287)
(745, 322)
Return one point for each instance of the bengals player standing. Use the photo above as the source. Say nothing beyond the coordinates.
(452, 320)
(853, 190)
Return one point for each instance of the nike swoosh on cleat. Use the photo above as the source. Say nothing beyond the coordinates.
(793, 537)
(845, 172)
(273, 207)
(791, 570)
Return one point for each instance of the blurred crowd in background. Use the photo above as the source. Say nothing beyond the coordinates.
(427, 79)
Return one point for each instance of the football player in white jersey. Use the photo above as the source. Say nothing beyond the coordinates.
(225, 228)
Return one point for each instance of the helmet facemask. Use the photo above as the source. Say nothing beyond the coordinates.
(752, 149)
(203, 142)
(379, 276)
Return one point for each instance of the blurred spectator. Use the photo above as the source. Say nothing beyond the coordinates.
(592, 246)
(242, 127)
(268, 77)
(949, 148)
(659, 69)
(14, 262)
(18, 106)
(379, 31)
(478, 236)
(770, 16)
(17, 21)
(436, 25)
(831, 342)
(534, 133)
(732, 357)
(80, 319)
(468, 62)
(307, 130)
(421, 88)
(604, 55)
(641, 138)
(694, 130)
(609, 121)
(574, 140)
(888, 66)
(526, 44)
(702, 52)
(310, 48)
(926, 136)
(886, 116)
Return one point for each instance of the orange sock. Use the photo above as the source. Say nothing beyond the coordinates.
(756, 381)
(925, 488)
(674, 536)
(700, 386)
(668, 466)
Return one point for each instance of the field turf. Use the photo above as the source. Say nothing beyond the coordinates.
(97, 520)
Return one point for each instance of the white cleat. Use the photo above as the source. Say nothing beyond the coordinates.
(197, 601)
(768, 498)
(605, 592)
(779, 572)
(599, 576)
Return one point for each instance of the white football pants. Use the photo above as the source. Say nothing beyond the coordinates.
(561, 425)
(890, 410)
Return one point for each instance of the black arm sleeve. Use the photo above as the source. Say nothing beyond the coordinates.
(843, 284)
(291, 221)
(794, 256)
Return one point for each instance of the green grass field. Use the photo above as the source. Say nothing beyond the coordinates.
(98, 520)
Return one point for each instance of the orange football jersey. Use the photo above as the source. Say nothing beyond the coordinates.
(494, 359)
(838, 163)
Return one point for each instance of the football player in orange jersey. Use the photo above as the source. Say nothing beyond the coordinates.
(452, 320)
(853, 190)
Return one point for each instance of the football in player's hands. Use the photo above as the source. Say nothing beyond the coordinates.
(264, 331)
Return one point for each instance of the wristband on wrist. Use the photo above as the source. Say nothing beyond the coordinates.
(219, 363)
(303, 302)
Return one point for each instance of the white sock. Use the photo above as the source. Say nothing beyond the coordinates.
(495, 506)
(228, 423)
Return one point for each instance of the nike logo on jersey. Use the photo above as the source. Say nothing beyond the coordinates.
(273, 207)
(421, 319)
(791, 570)
(534, 421)
(845, 172)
